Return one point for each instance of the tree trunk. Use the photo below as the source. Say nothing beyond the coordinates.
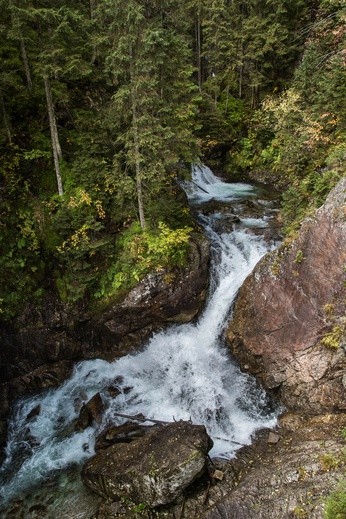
(240, 80)
(54, 134)
(241, 71)
(139, 185)
(227, 99)
(26, 63)
(91, 8)
(198, 47)
(5, 119)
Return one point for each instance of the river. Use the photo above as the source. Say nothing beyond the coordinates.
(185, 372)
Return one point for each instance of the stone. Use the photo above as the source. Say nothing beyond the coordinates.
(44, 377)
(218, 474)
(113, 391)
(155, 469)
(295, 297)
(35, 411)
(90, 412)
(273, 438)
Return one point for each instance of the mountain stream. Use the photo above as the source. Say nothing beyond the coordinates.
(185, 372)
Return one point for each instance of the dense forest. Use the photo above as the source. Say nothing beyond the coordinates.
(105, 104)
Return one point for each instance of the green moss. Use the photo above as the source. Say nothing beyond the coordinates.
(140, 508)
(275, 267)
(329, 462)
(302, 473)
(300, 513)
(328, 309)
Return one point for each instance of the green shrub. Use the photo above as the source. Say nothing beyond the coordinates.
(336, 504)
(138, 252)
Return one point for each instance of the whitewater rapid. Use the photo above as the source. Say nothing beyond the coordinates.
(185, 372)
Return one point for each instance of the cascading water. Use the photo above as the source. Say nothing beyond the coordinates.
(184, 372)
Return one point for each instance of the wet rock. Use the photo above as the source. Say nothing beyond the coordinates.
(273, 438)
(4, 411)
(263, 481)
(90, 412)
(35, 411)
(40, 336)
(113, 391)
(42, 378)
(225, 223)
(64, 497)
(155, 469)
(294, 298)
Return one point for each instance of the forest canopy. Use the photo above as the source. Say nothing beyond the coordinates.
(104, 105)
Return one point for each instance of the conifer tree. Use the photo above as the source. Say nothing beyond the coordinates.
(251, 46)
(148, 61)
(53, 42)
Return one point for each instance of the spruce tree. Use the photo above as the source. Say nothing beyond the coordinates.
(250, 46)
(53, 42)
(153, 103)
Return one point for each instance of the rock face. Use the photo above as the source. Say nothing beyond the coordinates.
(90, 412)
(153, 470)
(290, 479)
(125, 433)
(289, 317)
(284, 479)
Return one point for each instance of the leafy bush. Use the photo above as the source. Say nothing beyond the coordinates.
(21, 266)
(137, 253)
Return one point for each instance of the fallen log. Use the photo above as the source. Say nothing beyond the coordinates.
(141, 418)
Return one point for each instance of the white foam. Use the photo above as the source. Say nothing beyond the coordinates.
(206, 186)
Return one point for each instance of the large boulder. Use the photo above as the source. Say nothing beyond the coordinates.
(124, 433)
(289, 317)
(154, 469)
(90, 413)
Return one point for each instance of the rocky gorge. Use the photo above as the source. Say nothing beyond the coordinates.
(287, 329)
(39, 350)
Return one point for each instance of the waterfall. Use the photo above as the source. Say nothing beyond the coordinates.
(185, 372)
